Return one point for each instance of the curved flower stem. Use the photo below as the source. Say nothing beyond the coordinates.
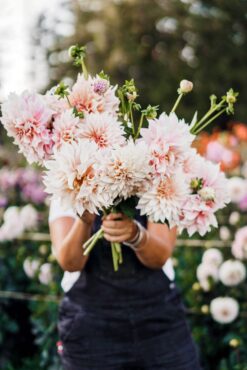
(177, 102)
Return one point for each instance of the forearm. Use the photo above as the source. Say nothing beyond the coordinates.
(70, 252)
(154, 251)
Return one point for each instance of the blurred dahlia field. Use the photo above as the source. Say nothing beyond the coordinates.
(211, 273)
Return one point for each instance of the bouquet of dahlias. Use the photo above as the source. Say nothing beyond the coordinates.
(98, 157)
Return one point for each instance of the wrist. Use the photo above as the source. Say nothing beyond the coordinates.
(137, 240)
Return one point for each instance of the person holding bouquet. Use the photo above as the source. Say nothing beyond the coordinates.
(130, 319)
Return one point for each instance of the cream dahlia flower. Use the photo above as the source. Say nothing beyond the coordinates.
(71, 177)
(125, 170)
(162, 201)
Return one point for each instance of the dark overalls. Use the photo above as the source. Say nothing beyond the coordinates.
(130, 319)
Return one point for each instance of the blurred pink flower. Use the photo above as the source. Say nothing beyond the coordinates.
(239, 245)
(216, 152)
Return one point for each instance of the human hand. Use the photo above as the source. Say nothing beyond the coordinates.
(118, 228)
(88, 218)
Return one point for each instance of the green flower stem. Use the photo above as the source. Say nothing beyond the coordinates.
(207, 115)
(199, 129)
(85, 245)
(92, 243)
(84, 69)
(177, 102)
(139, 127)
(118, 249)
(114, 257)
(132, 121)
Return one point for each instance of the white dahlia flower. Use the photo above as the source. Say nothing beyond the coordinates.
(72, 177)
(125, 170)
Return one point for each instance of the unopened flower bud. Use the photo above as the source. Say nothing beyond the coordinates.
(196, 184)
(73, 51)
(207, 193)
(231, 97)
(185, 87)
(131, 96)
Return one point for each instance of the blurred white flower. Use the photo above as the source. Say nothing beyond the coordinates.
(12, 226)
(234, 218)
(224, 233)
(29, 216)
(11, 213)
(237, 188)
(232, 273)
(31, 267)
(224, 310)
(45, 273)
(212, 256)
(205, 272)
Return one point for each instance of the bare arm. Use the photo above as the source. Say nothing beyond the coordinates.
(68, 236)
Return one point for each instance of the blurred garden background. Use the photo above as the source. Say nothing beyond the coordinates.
(158, 43)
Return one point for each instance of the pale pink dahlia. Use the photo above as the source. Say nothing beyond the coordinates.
(196, 216)
(214, 184)
(162, 201)
(93, 95)
(28, 120)
(169, 139)
(65, 128)
(103, 129)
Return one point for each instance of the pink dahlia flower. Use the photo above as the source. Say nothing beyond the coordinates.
(28, 120)
(65, 128)
(93, 95)
(169, 139)
(103, 129)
